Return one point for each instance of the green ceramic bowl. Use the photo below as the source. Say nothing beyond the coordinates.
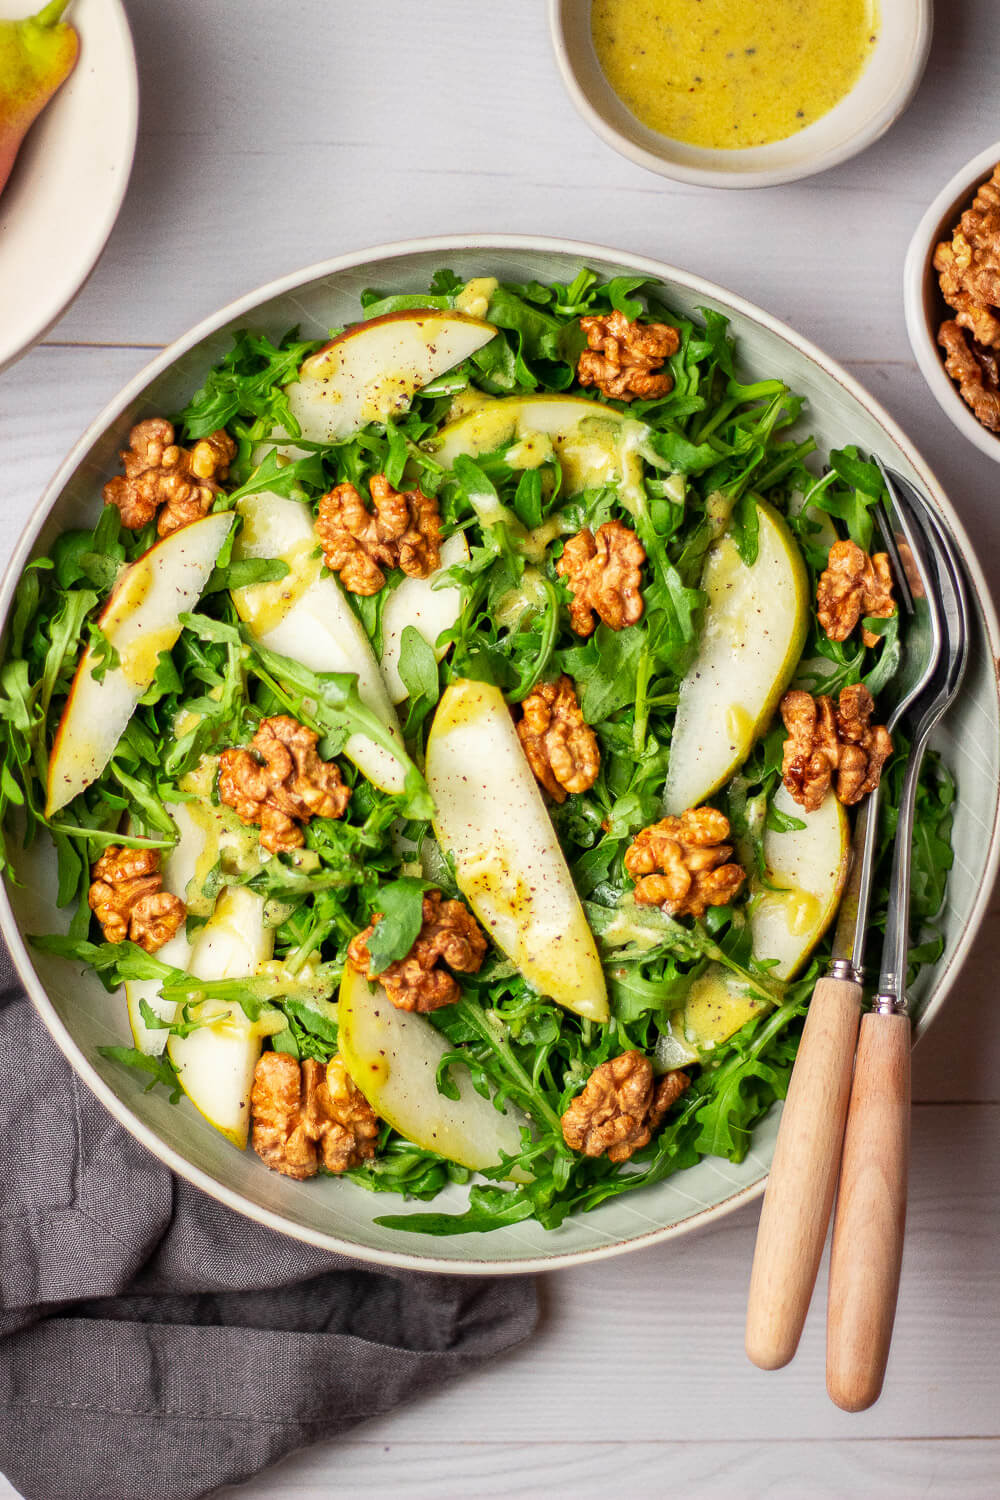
(82, 1017)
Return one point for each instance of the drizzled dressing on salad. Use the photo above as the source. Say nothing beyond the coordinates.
(732, 73)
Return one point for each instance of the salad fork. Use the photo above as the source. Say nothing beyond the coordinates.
(800, 1190)
(871, 1198)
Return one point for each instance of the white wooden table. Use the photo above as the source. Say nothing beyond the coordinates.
(276, 134)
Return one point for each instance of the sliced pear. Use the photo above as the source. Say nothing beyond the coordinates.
(754, 629)
(718, 1003)
(811, 865)
(393, 1057)
(140, 620)
(429, 610)
(178, 869)
(491, 818)
(306, 616)
(215, 1064)
(372, 371)
(595, 444)
(177, 953)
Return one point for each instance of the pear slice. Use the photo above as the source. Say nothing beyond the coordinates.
(178, 870)
(594, 443)
(306, 616)
(508, 864)
(430, 610)
(140, 620)
(811, 865)
(754, 629)
(215, 1064)
(393, 1056)
(205, 831)
(372, 371)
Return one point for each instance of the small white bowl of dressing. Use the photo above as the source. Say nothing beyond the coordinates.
(792, 86)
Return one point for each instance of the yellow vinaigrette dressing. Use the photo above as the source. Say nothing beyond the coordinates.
(732, 73)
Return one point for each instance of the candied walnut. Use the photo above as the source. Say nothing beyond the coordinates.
(604, 572)
(951, 261)
(128, 899)
(280, 782)
(851, 586)
(560, 746)
(620, 1107)
(823, 739)
(968, 270)
(621, 357)
(403, 531)
(449, 933)
(304, 1113)
(979, 230)
(977, 379)
(160, 473)
(683, 864)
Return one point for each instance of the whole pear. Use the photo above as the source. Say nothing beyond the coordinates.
(36, 56)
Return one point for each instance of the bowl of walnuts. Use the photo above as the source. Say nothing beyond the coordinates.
(952, 299)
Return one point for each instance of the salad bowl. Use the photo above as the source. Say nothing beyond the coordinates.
(83, 1018)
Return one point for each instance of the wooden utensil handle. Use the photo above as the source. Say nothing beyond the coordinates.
(800, 1189)
(871, 1213)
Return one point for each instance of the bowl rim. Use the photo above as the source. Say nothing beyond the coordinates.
(705, 176)
(941, 215)
(582, 251)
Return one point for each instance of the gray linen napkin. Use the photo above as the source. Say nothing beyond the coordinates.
(155, 1345)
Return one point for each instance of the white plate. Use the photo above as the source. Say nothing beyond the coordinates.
(81, 1016)
(63, 196)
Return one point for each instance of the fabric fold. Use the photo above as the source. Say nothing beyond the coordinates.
(153, 1344)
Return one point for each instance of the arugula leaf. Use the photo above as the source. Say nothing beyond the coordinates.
(418, 666)
(244, 572)
(606, 667)
(159, 1068)
(400, 903)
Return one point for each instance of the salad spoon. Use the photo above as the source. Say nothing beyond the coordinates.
(800, 1190)
(871, 1198)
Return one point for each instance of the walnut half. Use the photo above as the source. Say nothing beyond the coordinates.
(682, 864)
(851, 586)
(280, 782)
(823, 739)
(603, 570)
(162, 476)
(976, 372)
(560, 746)
(303, 1113)
(621, 357)
(402, 531)
(449, 933)
(620, 1107)
(128, 899)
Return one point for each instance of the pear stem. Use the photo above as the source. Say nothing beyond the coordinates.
(51, 13)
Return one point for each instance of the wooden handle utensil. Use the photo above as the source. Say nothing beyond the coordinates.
(871, 1213)
(799, 1196)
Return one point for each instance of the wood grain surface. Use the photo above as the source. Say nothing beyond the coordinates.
(275, 135)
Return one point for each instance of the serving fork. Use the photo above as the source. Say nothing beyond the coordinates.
(800, 1191)
(871, 1196)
